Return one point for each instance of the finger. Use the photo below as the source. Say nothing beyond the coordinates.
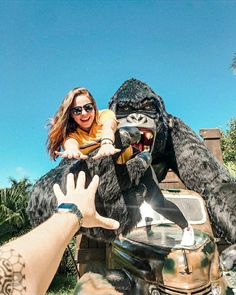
(76, 155)
(70, 183)
(80, 184)
(93, 185)
(97, 156)
(84, 157)
(108, 223)
(58, 192)
(65, 155)
(58, 153)
(72, 155)
(114, 151)
(117, 150)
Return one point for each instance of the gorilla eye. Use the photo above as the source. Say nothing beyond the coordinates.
(147, 107)
(126, 108)
(123, 109)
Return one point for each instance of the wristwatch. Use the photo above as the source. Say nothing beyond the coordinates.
(72, 208)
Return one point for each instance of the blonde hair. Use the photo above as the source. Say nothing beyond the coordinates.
(62, 124)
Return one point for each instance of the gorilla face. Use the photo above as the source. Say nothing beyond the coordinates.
(143, 118)
(135, 104)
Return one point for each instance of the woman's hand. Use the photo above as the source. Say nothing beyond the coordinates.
(106, 149)
(72, 153)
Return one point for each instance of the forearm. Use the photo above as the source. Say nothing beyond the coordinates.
(109, 129)
(71, 143)
(28, 264)
(39, 253)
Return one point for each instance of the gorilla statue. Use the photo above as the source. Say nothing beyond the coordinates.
(173, 145)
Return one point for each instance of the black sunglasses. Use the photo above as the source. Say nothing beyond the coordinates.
(78, 110)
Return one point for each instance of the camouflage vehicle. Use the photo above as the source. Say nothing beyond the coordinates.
(153, 261)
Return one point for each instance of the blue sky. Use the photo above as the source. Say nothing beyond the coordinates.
(182, 49)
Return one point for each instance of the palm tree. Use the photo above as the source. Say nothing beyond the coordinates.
(13, 202)
(233, 66)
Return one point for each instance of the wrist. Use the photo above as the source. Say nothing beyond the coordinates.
(107, 140)
(72, 150)
(68, 221)
(71, 208)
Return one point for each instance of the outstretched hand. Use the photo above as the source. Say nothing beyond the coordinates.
(72, 153)
(106, 150)
(85, 200)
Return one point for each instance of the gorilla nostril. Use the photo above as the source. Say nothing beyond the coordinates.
(142, 119)
(139, 117)
(136, 118)
(132, 118)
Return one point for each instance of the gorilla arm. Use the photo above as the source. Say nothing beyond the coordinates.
(200, 171)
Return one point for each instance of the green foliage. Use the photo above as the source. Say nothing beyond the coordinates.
(228, 145)
(65, 279)
(67, 265)
(62, 285)
(13, 202)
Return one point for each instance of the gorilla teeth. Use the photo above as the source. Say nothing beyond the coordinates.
(146, 141)
(148, 135)
(146, 148)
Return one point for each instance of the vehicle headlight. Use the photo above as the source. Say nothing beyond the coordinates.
(153, 290)
(216, 289)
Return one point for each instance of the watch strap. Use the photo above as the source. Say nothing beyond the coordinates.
(70, 208)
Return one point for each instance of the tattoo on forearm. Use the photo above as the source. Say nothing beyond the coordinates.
(12, 272)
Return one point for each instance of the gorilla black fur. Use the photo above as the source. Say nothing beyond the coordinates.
(119, 194)
(176, 146)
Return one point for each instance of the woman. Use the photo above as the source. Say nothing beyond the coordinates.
(79, 128)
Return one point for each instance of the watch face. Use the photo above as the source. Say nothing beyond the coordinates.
(67, 206)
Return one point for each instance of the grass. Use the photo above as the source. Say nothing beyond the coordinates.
(62, 285)
(64, 282)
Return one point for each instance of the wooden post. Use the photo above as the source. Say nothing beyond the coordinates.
(211, 139)
(90, 254)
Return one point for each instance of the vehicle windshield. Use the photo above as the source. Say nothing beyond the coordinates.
(154, 229)
(165, 236)
(191, 206)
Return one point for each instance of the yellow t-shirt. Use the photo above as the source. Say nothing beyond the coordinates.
(89, 141)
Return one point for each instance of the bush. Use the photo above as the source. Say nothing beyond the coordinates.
(228, 145)
(62, 284)
(13, 202)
